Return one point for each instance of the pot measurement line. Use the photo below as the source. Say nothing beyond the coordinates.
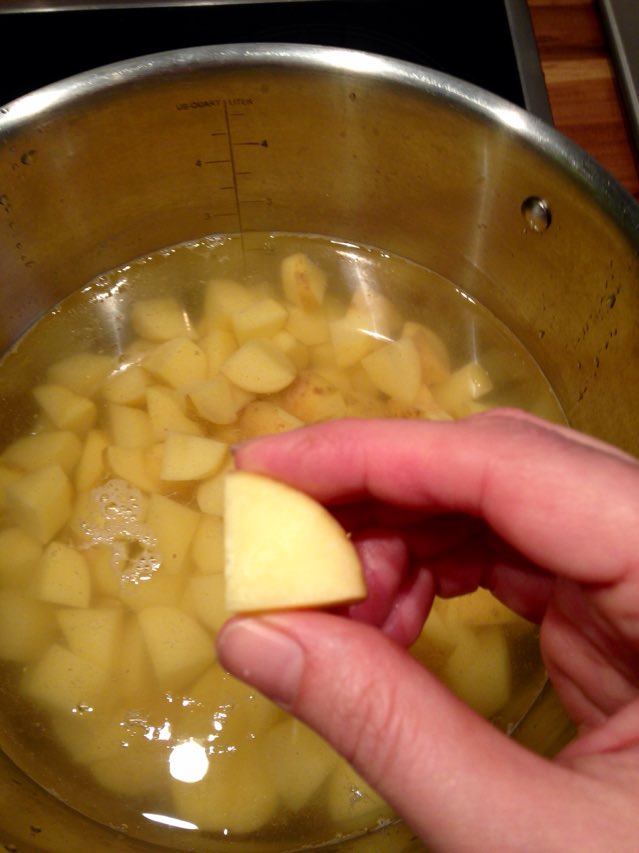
(234, 173)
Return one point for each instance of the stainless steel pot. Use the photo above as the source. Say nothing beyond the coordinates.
(126, 159)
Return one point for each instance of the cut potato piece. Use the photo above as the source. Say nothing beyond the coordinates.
(220, 802)
(436, 633)
(477, 609)
(478, 670)
(154, 591)
(379, 314)
(63, 681)
(127, 387)
(207, 549)
(308, 327)
(175, 526)
(130, 428)
(90, 468)
(132, 772)
(303, 282)
(210, 493)
(65, 408)
(204, 599)
(262, 319)
(395, 370)
(177, 362)
(179, 648)
(59, 447)
(464, 385)
(7, 477)
(27, 627)
(166, 411)
(105, 575)
(89, 737)
(299, 762)
(264, 418)
(133, 466)
(225, 297)
(218, 346)
(216, 401)
(19, 554)
(312, 398)
(292, 348)
(41, 502)
(191, 457)
(136, 680)
(63, 576)
(82, 373)
(260, 366)
(283, 549)
(350, 799)
(433, 353)
(352, 338)
(159, 319)
(93, 633)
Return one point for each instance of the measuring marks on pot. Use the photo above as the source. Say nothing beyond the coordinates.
(231, 160)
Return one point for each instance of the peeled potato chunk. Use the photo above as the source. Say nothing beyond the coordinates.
(283, 549)
(395, 369)
(462, 387)
(174, 526)
(64, 681)
(204, 599)
(262, 319)
(63, 576)
(27, 627)
(478, 609)
(19, 554)
(177, 362)
(260, 366)
(167, 413)
(127, 387)
(55, 447)
(132, 465)
(130, 428)
(264, 418)
(159, 319)
(91, 463)
(299, 761)
(236, 794)
(216, 401)
(82, 373)
(65, 408)
(207, 549)
(179, 648)
(478, 670)
(93, 633)
(218, 346)
(225, 297)
(41, 502)
(210, 493)
(191, 457)
(312, 398)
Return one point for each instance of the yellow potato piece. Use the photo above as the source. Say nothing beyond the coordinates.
(132, 465)
(216, 401)
(94, 634)
(63, 681)
(381, 316)
(353, 338)
(7, 477)
(63, 576)
(127, 387)
(65, 408)
(19, 555)
(27, 627)
(283, 549)
(262, 319)
(130, 428)
(395, 369)
(235, 795)
(159, 319)
(259, 366)
(156, 590)
(174, 526)
(479, 671)
(177, 362)
(218, 346)
(463, 386)
(308, 327)
(210, 493)
(436, 634)
(207, 549)
(91, 464)
(179, 648)
(433, 353)
(58, 447)
(298, 761)
(303, 282)
(264, 418)
(292, 348)
(89, 737)
(312, 398)
(225, 297)
(166, 411)
(478, 609)
(82, 373)
(41, 502)
(191, 457)
(135, 677)
(204, 599)
(105, 576)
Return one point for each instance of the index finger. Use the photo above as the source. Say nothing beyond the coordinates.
(568, 503)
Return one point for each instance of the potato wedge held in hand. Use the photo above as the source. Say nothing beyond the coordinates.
(283, 549)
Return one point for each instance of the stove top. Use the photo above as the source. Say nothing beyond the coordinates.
(489, 43)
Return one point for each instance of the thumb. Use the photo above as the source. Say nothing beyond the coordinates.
(455, 779)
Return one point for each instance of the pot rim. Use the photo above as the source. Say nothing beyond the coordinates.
(510, 118)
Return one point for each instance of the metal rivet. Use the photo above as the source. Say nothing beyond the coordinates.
(536, 213)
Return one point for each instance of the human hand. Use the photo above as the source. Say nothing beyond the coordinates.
(546, 518)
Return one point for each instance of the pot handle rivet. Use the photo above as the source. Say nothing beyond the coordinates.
(537, 214)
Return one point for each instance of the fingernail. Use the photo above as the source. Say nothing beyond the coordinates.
(266, 657)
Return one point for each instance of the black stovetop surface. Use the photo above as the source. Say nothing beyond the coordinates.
(470, 40)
